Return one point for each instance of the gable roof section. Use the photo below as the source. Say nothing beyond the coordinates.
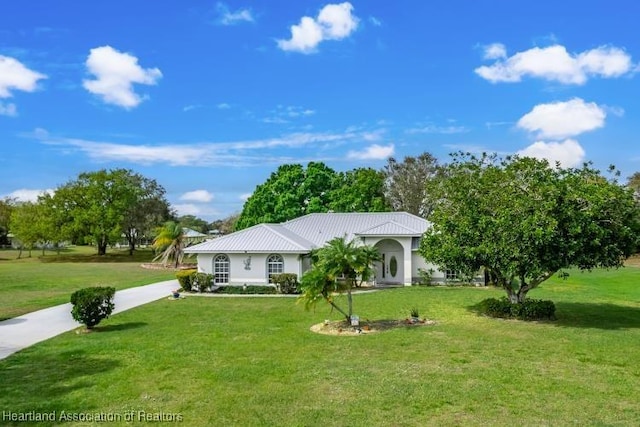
(191, 233)
(389, 228)
(303, 234)
(261, 238)
(319, 228)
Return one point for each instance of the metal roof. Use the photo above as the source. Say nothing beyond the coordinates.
(319, 228)
(189, 232)
(303, 234)
(389, 228)
(259, 238)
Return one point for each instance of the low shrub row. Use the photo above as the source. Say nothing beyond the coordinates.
(530, 309)
(246, 290)
(192, 281)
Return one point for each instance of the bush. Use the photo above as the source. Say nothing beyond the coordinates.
(202, 281)
(185, 278)
(530, 309)
(245, 290)
(91, 305)
(287, 283)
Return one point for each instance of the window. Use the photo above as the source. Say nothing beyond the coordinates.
(415, 242)
(275, 265)
(221, 269)
(451, 275)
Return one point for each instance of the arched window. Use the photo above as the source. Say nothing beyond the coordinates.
(275, 265)
(221, 269)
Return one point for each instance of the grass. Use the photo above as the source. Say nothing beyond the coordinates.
(246, 361)
(30, 284)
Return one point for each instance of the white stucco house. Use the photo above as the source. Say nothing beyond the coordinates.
(252, 255)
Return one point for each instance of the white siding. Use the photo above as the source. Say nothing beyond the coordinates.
(238, 275)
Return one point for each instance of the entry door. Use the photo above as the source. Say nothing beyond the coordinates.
(390, 268)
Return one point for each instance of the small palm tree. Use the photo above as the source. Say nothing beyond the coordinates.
(170, 241)
(338, 267)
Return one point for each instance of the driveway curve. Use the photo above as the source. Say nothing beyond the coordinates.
(31, 328)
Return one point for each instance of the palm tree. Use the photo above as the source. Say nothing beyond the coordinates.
(170, 240)
(338, 267)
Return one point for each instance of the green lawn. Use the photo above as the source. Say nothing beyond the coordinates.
(253, 361)
(30, 284)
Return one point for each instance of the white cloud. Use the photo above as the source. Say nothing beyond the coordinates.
(438, 129)
(554, 63)
(200, 196)
(223, 106)
(239, 153)
(228, 17)
(375, 21)
(245, 196)
(563, 119)
(8, 109)
(15, 76)
(569, 153)
(200, 211)
(334, 22)
(115, 73)
(495, 51)
(373, 152)
(28, 195)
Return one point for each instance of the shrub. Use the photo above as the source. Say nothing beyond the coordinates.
(425, 277)
(530, 309)
(287, 283)
(202, 281)
(249, 289)
(185, 278)
(91, 305)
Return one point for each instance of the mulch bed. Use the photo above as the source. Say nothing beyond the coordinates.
(342, 328)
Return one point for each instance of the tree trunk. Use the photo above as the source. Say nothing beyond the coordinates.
(102, 248)
(132, 247)
(349, 304)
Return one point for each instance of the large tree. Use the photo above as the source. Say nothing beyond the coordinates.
(30, 225)
(6, 206)
(523, 220)
(337, 267)
(101, 206)
(405, 183)
(359, 190)
(194, 223)
(293, 191)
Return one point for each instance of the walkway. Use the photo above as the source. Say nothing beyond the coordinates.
(28, 329)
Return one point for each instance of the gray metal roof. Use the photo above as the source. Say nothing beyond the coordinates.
(303, 234)
(189, 232)
(260, 238)
(389, 228)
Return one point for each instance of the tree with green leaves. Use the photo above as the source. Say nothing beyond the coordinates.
(6, 206)
(147, 207)
(337, 267)
(170, 242)
(293, 191)
(523, 220)
(194, 223)
(30, 225)
(99, 207)
(405, 183)
(225, 225)
(359, 190)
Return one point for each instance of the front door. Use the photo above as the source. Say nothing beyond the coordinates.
(389, 270)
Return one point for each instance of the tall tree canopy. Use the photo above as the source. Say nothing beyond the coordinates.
(405, 188)
(293, 191)
(6, 206)
(523, 220)
(194, 223)
(29, 225)
(359, 190)
(100, 206)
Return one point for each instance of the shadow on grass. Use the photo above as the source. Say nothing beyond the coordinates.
(596, 315)
(120, 327)
(39, 382)
(109, 257)
(588, 315)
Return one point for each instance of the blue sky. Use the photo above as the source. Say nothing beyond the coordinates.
(208, 98)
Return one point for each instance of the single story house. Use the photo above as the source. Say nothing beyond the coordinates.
(192, 236)
(252, 255)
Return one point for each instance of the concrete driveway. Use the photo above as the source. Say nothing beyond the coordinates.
(31, 328)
